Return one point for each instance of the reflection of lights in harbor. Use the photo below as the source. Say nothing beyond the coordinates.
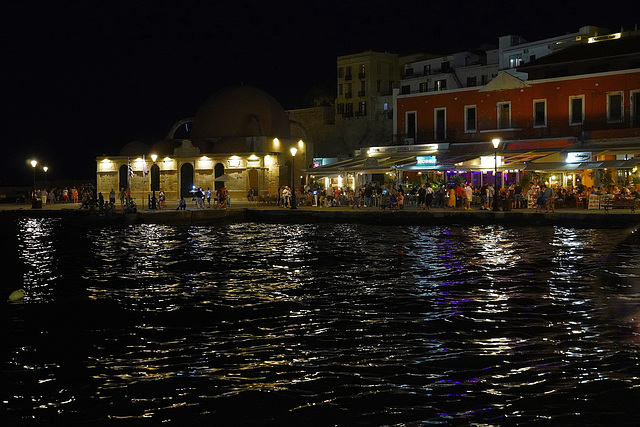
(36, 250)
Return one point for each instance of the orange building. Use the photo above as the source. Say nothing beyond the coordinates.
(570, 121)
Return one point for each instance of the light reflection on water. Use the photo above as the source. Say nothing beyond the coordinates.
(324, 324)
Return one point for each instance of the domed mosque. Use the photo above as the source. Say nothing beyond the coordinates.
(240, 138)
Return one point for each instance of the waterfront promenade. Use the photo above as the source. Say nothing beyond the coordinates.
(410, 215)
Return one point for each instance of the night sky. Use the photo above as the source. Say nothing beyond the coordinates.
(81, 79)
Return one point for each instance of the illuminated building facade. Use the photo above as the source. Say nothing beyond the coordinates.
(584, 99)
(239, 138)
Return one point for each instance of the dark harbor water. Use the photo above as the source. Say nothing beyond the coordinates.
(271, 325)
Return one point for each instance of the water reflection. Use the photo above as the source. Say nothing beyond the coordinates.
(38, 255)
(348, 324)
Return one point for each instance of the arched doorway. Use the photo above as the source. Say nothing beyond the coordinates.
(186, 180)
(253, 181)
(218, 171)
(155, 178)
(123, 177)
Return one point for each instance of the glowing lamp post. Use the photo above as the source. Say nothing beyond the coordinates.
(34, 163)
(496, 143)
(152, 205)
(45, 169)
(293, 150)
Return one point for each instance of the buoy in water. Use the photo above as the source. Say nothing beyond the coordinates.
(17, 295)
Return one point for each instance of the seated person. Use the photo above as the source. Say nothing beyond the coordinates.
(182, 204)
(393, 202)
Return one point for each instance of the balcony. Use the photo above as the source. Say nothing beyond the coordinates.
(348, 95)
(348, 77)
(361, 93)
(362, 76)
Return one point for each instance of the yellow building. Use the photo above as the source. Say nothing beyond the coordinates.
(365, 85)
(240, 138)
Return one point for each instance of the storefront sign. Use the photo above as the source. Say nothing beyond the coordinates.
(426, 160)
(578, 157)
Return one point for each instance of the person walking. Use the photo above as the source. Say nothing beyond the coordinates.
(356, 198)
(468, 196)
(422, 195)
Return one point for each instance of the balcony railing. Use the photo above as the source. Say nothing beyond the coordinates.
(348, 77)
(361, 93)
(362, 76)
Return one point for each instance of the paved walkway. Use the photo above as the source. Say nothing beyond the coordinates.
(238, 205)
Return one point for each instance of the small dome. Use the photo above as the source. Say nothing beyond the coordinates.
(239, 112)
(134, 148)
(164, 147)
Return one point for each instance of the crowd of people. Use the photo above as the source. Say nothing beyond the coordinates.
(201, 197)
(80, 194)
(541, 197)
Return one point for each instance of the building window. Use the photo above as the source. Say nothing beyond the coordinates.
(615, 109)
(471, 81)
(426, 70)
(408, 72)
(379, 86)
(361, 92)
(515, 60)
(340, 89)
(340, 72)
(340, 109)
(635, 108)
(504, 115)
(363, 72)
(424, 87)
(410, 125)
(406, 89)
(440, 123)
(347, 73)
(576, 110)
(470, 119)
(440, 85)
(348, 110)
(540, 113)
(362, 108)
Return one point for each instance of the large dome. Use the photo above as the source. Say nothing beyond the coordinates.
(239, 112)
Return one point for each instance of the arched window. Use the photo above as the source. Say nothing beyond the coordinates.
(123, 177)
(186, 180)
(155, 178)
(218, 171)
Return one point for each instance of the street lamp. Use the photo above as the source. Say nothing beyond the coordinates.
(152, 205)
(34, 163)
(45, 169)
(293, 150)
(496, 143)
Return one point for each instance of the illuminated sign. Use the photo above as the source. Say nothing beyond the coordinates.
(426, 160)
(578, 157)
(597, 39)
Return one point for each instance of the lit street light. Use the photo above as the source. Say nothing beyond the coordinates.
(496, 143)
(34, 163)
(45, 169)
(293, 150)
(153, 204)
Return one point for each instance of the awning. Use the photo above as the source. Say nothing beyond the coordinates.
(604, 164)
(380, 164)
